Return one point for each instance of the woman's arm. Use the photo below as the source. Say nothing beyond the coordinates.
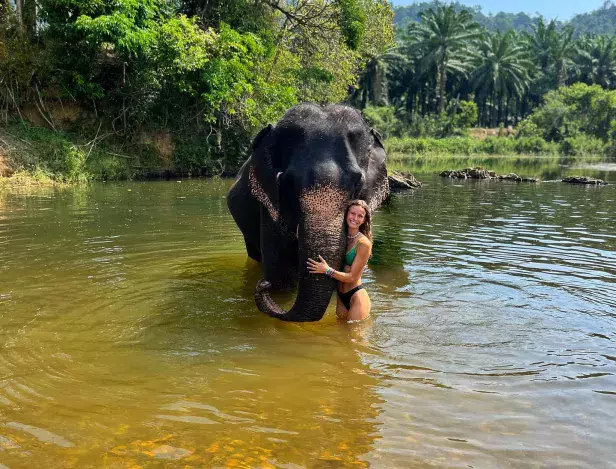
(364, 247)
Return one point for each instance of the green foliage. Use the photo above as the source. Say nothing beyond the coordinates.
(499, 22)
(62, 157)
(534, 145)
(496, 146)
(209, 73)
(352, 20)
(442, 57)
(599, 21)
(464, 115)
(581, 145)
(571, 111)
(444, 37)
(383, 118)
(471, 146)
(431, 146)
(458, 118)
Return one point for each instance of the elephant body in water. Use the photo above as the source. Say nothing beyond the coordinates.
(290, 197)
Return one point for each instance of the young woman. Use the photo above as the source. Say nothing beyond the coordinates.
(353, 301)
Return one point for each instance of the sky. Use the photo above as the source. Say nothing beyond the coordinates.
(559, 9)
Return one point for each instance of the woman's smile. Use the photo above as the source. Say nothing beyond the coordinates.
(356, 216)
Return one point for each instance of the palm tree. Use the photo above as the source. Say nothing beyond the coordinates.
(596, 60)
(373, 80)
(445, 38)
(605, 55)
(564, 48)
(502, 72)
(541, 43)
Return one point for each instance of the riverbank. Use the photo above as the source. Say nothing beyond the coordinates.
(37, 156)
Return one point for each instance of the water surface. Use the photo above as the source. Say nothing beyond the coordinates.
(130, 337)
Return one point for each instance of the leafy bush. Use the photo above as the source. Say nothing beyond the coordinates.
(534, 146)
(431, 146)
(470, 146)
(582, 145)
(383, 118)
(497, 146)
(464, 115)
(574, 110)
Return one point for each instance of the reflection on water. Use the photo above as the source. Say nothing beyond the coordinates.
(129, 334)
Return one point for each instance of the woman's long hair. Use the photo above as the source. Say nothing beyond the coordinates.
(365, 228)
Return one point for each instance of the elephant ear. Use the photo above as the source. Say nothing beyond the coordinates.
(263, 185)
(376, 188)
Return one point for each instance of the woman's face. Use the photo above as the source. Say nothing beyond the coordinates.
(355, 217)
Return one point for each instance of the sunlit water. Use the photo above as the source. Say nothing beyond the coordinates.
(130, 337)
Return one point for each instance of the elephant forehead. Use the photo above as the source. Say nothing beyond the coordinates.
(324, 200)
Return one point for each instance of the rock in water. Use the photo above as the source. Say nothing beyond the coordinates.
(480, 173)
(399, 180)
(584, 180)
(170, 452)
(510, 177)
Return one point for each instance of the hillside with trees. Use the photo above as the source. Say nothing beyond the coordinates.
(600, 21)
(177, 87)
(500, 21)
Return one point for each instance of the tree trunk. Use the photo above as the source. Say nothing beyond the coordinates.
(29, 18)
(364, 99)
(494, 110)
(560, 66)
(441, 88)
(19, 9)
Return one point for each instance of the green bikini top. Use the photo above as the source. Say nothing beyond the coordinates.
(350, 256)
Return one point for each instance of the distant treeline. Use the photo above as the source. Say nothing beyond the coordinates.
(600, 21)
(447, 71)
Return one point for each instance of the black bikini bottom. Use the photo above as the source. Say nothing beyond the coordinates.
(345, 298)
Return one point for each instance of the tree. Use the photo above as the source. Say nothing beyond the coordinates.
(502, 72)
(563, 49)
(446, 38)
(541, 43)
(596, 60)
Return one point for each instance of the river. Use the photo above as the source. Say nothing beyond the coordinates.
(130, 337)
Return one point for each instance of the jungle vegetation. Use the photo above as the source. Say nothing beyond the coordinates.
(447, 73)
(91, 89)
(172, 86)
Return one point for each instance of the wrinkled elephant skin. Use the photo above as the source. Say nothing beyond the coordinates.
(290, 197)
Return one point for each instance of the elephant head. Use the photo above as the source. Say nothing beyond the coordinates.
(304, 172)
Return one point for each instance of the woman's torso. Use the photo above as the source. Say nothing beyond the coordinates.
(352, 245)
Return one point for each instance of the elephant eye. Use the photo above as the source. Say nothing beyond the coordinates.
(278, 177)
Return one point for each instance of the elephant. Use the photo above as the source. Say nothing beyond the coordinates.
(290, 197)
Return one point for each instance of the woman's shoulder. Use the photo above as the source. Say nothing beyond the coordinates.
(364, 241)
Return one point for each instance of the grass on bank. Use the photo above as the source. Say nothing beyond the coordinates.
(39, 156)
(506, 145)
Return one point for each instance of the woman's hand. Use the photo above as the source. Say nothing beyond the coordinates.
(315, 267)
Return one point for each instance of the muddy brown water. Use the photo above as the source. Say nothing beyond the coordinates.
(130, 338)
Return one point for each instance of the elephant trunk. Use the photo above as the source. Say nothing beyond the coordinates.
(321, 232)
